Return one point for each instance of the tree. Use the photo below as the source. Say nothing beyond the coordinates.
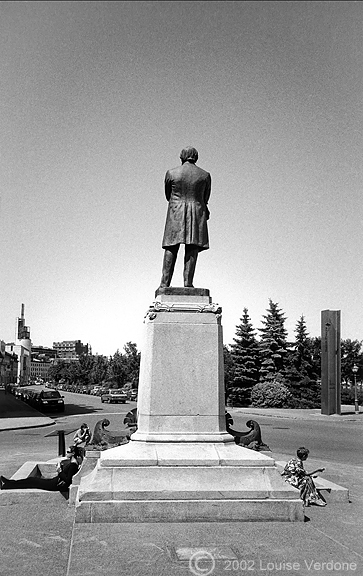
(117, 371)
(246, 361)
(273, 344)
(315, 346)
(350, 354)
(99, 370)
(300, 374)
(132, 363)
(83, 369)
(59, 371)
(228, 371)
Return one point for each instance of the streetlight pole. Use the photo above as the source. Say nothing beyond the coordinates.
(356, 405)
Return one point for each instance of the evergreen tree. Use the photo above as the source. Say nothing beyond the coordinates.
(300, 373)
(228, 371)
(273, 344)
(245, 357)
(303, 351)
(315, 346)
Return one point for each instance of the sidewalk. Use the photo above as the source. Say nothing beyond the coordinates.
(347, 413)
(16, 414)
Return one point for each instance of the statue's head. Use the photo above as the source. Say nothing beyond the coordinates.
(189, 154)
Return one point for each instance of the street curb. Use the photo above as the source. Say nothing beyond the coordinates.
(25, 426)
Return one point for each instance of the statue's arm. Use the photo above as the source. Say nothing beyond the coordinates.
(208, 189)
(167, 185)
(207, 194)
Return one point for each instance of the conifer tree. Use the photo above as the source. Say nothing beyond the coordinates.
(302, 354)
(300, 374)
(245, 356)
(273, 344)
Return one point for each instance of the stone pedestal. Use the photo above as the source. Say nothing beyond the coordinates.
(181, 393)
(181, 464)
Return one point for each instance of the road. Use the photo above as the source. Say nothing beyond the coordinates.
(336, 439)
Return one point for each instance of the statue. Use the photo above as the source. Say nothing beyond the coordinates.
(103, 439)
(187, 189)
(251, 439)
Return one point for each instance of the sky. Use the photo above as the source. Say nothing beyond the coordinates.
(97, 101)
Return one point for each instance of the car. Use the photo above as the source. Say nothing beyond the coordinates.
(114, 395)
(45, 399)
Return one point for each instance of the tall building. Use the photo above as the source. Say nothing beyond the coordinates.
(23, 332)
(22, 348)
(70, 349)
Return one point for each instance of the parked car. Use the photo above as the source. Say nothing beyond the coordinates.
(45, 399)
(115, 396)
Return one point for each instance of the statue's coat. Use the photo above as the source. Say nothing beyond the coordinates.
(187, 189)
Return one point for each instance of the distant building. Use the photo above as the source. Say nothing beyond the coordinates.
(8, 366)
(70, 349)
(42, 358)
(23, 362)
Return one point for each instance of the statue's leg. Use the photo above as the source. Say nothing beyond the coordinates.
(170, 255)
(190, 261)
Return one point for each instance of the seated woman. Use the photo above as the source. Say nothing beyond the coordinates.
(66, 470)
(83, 436)
(296, 475)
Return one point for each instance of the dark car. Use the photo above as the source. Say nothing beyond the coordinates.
(44, 400)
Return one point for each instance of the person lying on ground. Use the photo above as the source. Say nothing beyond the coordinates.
(66, 470)
(296, 475)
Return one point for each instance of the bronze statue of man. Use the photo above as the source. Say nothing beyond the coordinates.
(187, 189)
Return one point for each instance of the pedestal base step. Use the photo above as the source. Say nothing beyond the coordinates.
(118, 511)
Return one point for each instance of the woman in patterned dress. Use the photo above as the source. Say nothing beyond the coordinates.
(296, 475)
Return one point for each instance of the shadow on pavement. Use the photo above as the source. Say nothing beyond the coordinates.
(11, 407)
(71, 409)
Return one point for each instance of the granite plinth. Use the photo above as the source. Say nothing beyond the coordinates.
(181, 388)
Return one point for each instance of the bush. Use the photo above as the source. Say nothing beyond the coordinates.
(272, 394)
